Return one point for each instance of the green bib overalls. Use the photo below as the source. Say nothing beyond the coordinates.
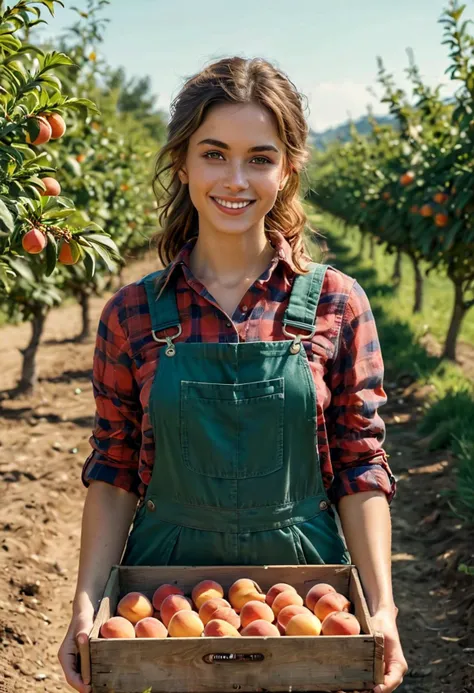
(236, 478)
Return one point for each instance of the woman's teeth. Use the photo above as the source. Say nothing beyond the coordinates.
(233, 205)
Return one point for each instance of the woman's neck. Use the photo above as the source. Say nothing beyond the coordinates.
(232, 260)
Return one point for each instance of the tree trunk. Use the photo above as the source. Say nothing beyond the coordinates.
(418, 304)
(372, 248)
(397, 268)
(362, 244)
(84, 302)
(28, 380)
(459, 311)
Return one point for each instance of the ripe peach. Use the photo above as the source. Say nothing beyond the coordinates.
(68, 254)
(253, 611)
(150, 627)
(441, 198)
(172, 604)
(162, 592)
(285, 599)
(260, 627)
(407, 178)
(340, 623)
(303, 624)
(208, 608)
(290, 611)
(185, 624)
(205, 590)
(316, 592)
(58, 126)
(333, 601)
(44, 134)
(244, 590)
(441, 220)
(53, 189)
(217, 628)
(277, 589)
(426, 211)
(226, 613)
(34, 241)
(117, 627)
(80, 158)
(134, 606)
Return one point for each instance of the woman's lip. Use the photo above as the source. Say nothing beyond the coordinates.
(229, 210)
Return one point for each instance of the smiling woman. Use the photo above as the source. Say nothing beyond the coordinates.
(237, 389)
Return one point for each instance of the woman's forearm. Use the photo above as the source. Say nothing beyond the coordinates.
(106, 519)
(366, 522)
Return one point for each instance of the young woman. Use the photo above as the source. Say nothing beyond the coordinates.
(237, 389)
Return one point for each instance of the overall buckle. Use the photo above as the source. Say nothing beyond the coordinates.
(296, 344)
(171, 349)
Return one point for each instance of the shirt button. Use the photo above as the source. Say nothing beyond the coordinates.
(150, 505)
(228, 324)
(245, 308)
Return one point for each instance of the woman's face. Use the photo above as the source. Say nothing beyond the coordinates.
(225, 169)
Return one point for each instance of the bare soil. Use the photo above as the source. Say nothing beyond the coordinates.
(44, 442)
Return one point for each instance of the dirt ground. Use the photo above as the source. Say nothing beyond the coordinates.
(43, 444)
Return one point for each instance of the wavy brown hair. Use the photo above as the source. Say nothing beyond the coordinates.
(237, 81)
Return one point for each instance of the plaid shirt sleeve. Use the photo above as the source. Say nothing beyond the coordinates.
(355, 430)
(116, 437)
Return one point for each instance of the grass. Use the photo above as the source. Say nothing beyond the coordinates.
(449, 409)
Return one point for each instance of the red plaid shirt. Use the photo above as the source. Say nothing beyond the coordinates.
(344, 357)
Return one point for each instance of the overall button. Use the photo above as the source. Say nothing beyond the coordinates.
(323, 505)
(150, 505)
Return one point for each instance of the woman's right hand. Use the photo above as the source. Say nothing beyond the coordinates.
(76, 641)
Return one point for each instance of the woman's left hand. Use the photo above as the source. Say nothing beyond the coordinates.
(384, 621)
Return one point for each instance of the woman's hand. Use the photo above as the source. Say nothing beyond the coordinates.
(384, 621)
(76, 640)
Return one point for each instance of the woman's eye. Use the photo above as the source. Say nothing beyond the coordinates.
(262, 158)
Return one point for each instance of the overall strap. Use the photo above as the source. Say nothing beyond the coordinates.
(304, 299)
(164, 316)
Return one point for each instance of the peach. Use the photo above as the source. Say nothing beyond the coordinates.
(285, 599)
(253, 611)
(207, 609)
(205, 590)
(34, 241)
(226, 613)
(117, 627)
(316, 592)
(217, 628)
(243, 591)
(150, 627)
(44, 134)
(58, 126)
(172, 604)
(260, 627)
(303, 624)
(134, 606)
(162, 592)
(185, 624)
(341, 623)
(53, 189)
(288, 612)
(333, 601)
(277, 589)
(68, 254)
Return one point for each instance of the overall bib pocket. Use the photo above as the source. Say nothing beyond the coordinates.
(222, 432)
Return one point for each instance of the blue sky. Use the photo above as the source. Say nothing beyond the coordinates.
(328, 48)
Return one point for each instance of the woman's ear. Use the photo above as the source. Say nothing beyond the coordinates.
(183, 176)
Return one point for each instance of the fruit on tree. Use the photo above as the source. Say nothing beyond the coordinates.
(57, 124)
(426, 210)
(407, 178)
(441, 198)
(441, 220)
(52, 187)
(44, 134)
(34, 241)
(69, 255)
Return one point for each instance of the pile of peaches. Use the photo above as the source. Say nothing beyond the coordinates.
(247, 611)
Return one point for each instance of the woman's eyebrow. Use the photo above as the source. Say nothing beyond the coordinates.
(258, 148)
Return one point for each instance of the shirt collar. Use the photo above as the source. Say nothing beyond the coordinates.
(277, 240)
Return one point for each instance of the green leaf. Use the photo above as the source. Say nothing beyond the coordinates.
(6, 220)
(89, 262)
(53, 214)
(21, 268)
(51, 254)
(103, 240)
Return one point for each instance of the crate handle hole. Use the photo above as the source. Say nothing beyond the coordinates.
(222, 657)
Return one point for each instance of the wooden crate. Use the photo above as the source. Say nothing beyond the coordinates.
(227, 665)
